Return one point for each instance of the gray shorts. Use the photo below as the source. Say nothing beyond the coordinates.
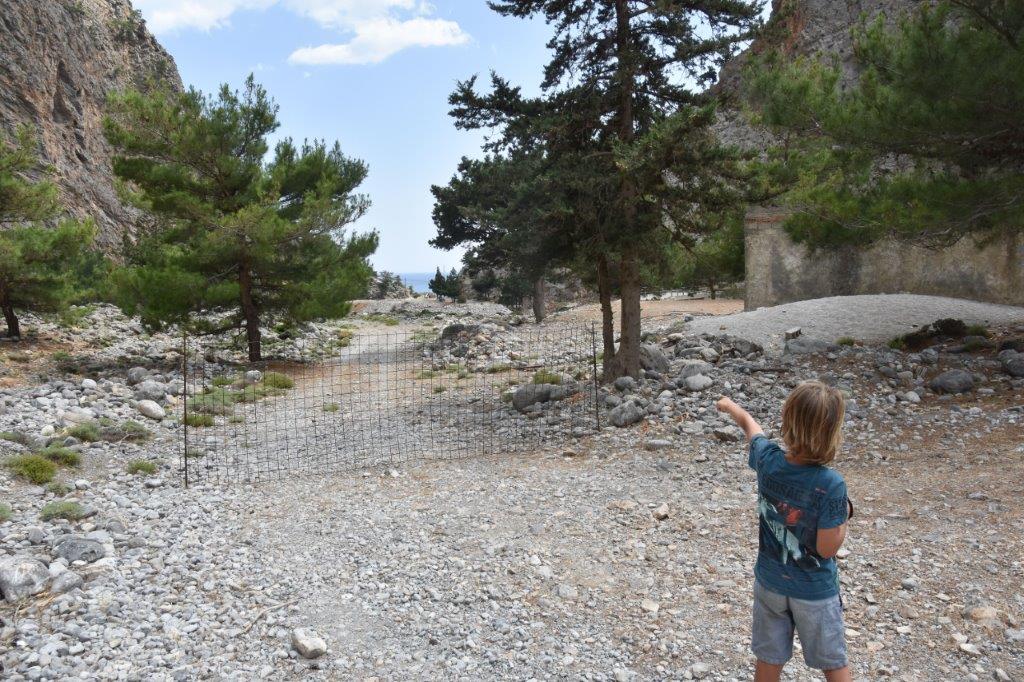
(819, 624)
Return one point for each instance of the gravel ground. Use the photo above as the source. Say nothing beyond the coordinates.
(624, 555)
(870, 319)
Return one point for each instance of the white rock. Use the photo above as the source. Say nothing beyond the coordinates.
(21, 577)
(308, 643)
(148, 408)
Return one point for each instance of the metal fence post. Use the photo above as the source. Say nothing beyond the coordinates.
(597, 390)
(184, 397)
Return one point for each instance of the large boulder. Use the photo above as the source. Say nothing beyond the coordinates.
(150, 390)
(75, 548)
(151, 410)
(625, 414)
(530, 394)
(693, 368)
(1014, 364)
(698, 382)
(21, 577)
(653, 358)
(953, 381)
(308, 643)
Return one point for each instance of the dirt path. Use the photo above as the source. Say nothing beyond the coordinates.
(655, 309)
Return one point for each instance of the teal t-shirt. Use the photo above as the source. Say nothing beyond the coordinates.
(794, 501)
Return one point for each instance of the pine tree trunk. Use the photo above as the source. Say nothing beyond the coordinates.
(251, 314)
(13, 325)
(539, 299)
(604, 292)
(627, 360)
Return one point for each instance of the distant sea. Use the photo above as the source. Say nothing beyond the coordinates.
(417, 280)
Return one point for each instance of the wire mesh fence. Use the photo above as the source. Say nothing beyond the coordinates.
(375, 399)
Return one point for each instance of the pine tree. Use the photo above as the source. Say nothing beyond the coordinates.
(927, 145)
(438, 285)
(37, 264)
(626, 114)
(238, 238)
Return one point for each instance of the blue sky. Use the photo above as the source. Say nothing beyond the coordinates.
(372, 74)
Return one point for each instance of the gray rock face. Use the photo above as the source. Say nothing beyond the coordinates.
(58, 62)
(626, 414)
(952, 381)
(531, 393)
(22, 577)
(625, 384)
(65, 582)
(74, 548)
(653, 358)
(308, 643)
(137, 375)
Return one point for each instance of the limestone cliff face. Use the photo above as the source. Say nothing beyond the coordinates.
(58, 61)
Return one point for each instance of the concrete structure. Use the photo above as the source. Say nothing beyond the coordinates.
(780, 271)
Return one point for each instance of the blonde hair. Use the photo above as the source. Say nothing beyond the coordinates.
(812, 422)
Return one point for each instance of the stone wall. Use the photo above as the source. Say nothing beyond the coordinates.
(780, 271)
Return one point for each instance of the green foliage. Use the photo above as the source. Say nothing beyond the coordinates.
(938, 99)
(237, 237)
(612, 160)
(126, 29)
(847, 341)
(63, 509)
(446, 286)
(129, 431)
(38, 265)
(713, 261)
(440, 389)
(61, 456)
(278, 380)
(331, 407)
(141, 466)
(73, 317)
(33, 468)
(545, 377)
(379, 318)
(88, 432)
(198, 420)
(5, 512)
(58, 488)
(978, 330)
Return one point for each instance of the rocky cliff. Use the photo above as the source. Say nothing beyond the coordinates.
(58, 61)
(798, 28)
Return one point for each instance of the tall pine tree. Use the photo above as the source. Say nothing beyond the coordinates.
(38, 264)
(926, 145)
(625, 99)
(238, 238)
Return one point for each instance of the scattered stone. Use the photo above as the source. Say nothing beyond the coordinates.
(952, 381)
(151, 410)
(650, 606)
(805, 346)
(698, 382)
(662, 512)
(308, 643)
(74, 548)
(22, 577)
(625, 414)
(729, 434)
(653, 358)
(65, 582)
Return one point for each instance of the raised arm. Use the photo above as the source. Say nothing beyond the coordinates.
(742, 418)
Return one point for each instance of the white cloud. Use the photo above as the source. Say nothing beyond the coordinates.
(170, 15)
(374, 29)
(376, 40)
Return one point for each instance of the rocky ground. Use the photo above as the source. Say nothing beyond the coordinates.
(624, 554)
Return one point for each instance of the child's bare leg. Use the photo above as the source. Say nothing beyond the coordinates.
(767, 672)
(839, 675)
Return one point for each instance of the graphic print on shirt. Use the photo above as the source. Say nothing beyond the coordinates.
(781, 523)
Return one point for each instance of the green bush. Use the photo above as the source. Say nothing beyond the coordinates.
(440, 389)
(223, 381)
(382, 319)
(34, 468)
(546, 377)
(58, 488)
(88, 432)
(72, 511)
(847, 341)
(199, 420)
(426, 374)
(277, 380)
(5, 512)
(141, 466)
(130, 431)
(61, 456)
(331, 407)
(73, 316)
(978, 330)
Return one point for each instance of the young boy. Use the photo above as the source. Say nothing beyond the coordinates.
(803, 508)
